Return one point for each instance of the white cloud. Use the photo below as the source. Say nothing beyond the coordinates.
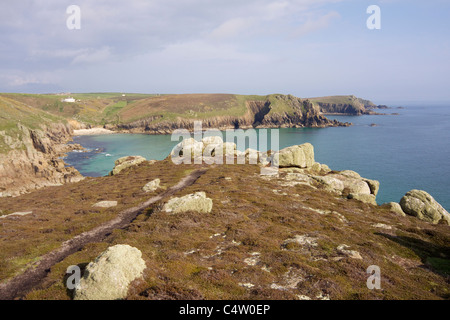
(314, 24)
(202, 51)
(92, 55)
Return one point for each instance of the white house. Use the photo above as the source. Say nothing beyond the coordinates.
(69, 99)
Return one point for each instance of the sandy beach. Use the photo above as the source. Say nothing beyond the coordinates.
(92, 131)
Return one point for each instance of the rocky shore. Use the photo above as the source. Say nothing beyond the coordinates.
(35, 159)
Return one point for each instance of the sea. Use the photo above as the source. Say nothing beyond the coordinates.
(408, 148)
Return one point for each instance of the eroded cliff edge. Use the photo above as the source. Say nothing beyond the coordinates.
(273, 111)
(32, 143)
(35, 160)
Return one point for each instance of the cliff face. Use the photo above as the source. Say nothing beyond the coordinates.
(34, 159)
(332, 108)
(294, 112)
(348, 105)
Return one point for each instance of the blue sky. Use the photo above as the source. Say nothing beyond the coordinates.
(303, 47)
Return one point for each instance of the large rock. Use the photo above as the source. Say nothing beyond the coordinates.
(422, 205)
(394, 207)
(352, 184)
(331, 183)
(301, 156)
(197, 202)
(217, 148)
(350, 174)
(212, 140)
(152, 185)
(366, 198)
(374, 186)
(126, 162)
(188, 146)
(110, 274)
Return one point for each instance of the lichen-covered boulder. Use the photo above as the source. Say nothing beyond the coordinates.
(229, 148)
(366, 198)
(352, 184)
(301, 156)
(394, 207)
(325, 169)
(212, 140)
(110, 274)
(374, 186)
(220, 148)
(126, 162)
(188, 146)
(197, 202)
(422, 205)
(350, 174)
(152, 185)
(330, 183)
(360, 182)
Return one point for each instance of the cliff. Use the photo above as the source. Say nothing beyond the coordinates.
(168, 113)
(31, 146)
(347, 105)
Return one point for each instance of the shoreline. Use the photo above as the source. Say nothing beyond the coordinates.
(92, 132)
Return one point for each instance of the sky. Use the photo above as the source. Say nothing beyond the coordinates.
(307, 48)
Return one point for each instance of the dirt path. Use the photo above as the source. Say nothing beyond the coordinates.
(20, 285)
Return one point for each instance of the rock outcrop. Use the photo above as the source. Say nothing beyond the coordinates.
(152, 186)
(209, 147)
(126, 162)
(299, 164)
(349, 105)
(422, 205)
(34, 158)
(301, 156)
(197, 202)
(394, 207)
(110, 274)
(296, 112)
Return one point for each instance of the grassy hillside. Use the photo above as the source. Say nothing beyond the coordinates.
(114, 108)
(90, 108)
(198, 106)
(14, 113)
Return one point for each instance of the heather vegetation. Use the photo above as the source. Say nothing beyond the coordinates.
(265, 237)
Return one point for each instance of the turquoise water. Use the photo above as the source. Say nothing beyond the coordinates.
(404, 152)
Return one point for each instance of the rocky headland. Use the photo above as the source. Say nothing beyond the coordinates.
(274, 111)
(32, 145)
(347, 105)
